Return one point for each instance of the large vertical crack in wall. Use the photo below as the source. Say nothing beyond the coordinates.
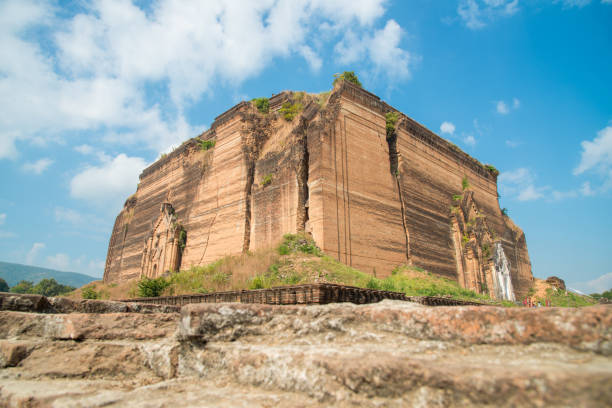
(255, 134)
(302, 175)
(250, 177)
(394, 164)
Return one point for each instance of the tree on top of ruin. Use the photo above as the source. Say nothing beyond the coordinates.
(349, 76)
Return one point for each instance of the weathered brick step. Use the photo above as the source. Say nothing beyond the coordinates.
(316, 293)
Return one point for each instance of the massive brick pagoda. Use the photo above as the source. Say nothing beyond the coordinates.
(373, 192)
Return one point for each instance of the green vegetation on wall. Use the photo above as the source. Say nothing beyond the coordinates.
(391, 120)
(465, 184)
(349, 76)
(491, 169)
(290, 110)
(267, 179)
(182, 239)
(206, 144)
(486, 251)
(262, 104)
(322, 98)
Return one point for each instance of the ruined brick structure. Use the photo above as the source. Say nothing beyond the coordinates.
(372, 198)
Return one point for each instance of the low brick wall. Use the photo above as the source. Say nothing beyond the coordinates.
(317, 293)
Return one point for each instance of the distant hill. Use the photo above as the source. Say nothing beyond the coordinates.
(13, 273)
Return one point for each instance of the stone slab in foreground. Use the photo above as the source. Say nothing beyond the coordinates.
(392, 353)
(40, 304)
(587, 329)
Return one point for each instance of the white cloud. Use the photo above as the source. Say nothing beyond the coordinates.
(75, 223)
(574, 3)
(519, 183)
(586, 189)
(5, 234)
(561, 195)
(502, 108)
(597, 285)
(530, 193)
(447, 127)
(469, 140)
(94, 268)
(596, 156)
(90, 72)
(314, 61)
(381, 49)
(33, 253)
(84, 149)
(109, 183)
(512, 143)
(82, 264)
(68, 215)
(37, 167)
(476, 14)
(58, 261)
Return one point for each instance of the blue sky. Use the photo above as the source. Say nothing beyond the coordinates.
(93, 92)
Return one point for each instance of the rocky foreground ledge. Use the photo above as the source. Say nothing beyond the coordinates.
(391, 353)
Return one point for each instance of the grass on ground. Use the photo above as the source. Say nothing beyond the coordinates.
(296, 260)
(561, 298)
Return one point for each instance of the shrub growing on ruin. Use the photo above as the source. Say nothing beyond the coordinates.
(298, 243)
(89, 293)
(4, 287)
(465, 184)
(152, 287)
(257, 283)
(486, 251)
(290, 110)
(262, 104)
(491, 169)
(322, 98)
(182, 239)
(267, 179)
(391, 119)
(349, 76)
(373, 283)
(504, 212)
(206, 144)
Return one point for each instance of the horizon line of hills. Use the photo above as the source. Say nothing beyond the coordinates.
(13, 273)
